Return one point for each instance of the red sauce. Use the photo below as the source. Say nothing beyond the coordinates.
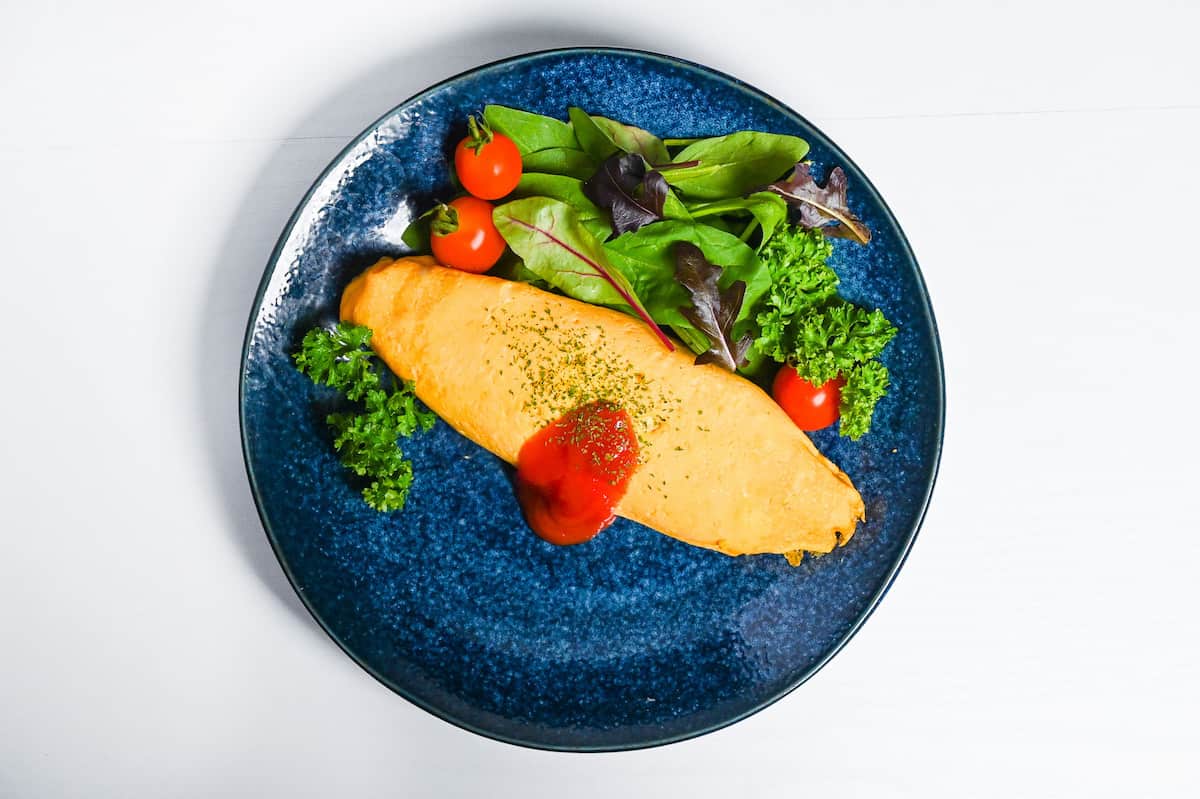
(572, 473)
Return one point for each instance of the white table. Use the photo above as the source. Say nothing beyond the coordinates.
(1041, 640)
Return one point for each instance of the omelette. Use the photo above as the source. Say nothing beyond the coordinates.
(721, 465)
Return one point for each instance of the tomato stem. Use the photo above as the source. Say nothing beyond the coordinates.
(479, 133)
(443, 220)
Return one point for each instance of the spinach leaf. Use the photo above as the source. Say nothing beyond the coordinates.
(560, 161)
(416, 235)
(767, 208)
(530, 132)
(733, 165)
(570, 191)
(594, 141)
(674, 208)
(551, 239)
(633, 139)
(645, 257)
(602, 137)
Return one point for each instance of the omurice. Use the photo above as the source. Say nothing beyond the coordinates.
(718, 463)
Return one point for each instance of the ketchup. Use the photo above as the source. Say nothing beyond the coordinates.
(572, 473)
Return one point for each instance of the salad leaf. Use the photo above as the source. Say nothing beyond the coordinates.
(551, 239)
(592, 140)
(713, 309)
(733, 165)
(633, 139)
(804, 322)
(570, 191)
(800, 281)
(767, 209)
(511, 267)
(366, 441)
(632, 195)
(835, 338)
(674, 208)
(865, 385)
(416, 235)
(646, 257)
(560, 161)
(822, 205)
(530, 132)
(602, 137)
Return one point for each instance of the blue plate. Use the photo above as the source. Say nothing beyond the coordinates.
(633, 639)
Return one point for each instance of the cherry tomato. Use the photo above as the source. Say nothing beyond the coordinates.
(810, 407)
(466, 239)
(488, 164)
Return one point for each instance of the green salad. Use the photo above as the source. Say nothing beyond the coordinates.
(723, 242)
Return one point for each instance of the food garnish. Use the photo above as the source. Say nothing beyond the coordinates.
(805, 325)
(822, 207)
(488, 164)
(463, 235)
(367, 440)
(633, 196)
(714, 309)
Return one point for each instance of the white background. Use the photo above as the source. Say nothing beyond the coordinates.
(1042, 158)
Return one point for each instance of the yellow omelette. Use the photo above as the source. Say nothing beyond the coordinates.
(721, 465)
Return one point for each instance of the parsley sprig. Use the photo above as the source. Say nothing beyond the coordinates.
(805, 323)
(368, 441)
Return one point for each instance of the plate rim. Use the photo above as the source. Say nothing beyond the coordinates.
(873, 603)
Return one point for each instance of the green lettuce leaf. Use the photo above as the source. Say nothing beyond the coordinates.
(733, 165)
(530, 132)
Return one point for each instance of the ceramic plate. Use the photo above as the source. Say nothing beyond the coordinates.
(634, 638)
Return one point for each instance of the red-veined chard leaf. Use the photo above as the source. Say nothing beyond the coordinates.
(822, 205)
(713, 310)
(569, 190)
(552, 240)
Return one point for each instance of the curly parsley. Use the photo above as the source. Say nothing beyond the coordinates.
(367, 441)
(805, 323)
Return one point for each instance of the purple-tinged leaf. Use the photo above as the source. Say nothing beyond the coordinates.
(713, 310)
(822, 207)
(632, 195)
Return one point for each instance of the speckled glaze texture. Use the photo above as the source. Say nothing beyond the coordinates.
(632, 639)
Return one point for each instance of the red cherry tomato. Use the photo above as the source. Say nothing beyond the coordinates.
(810, 407)
(488, 164)
(473, 244)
